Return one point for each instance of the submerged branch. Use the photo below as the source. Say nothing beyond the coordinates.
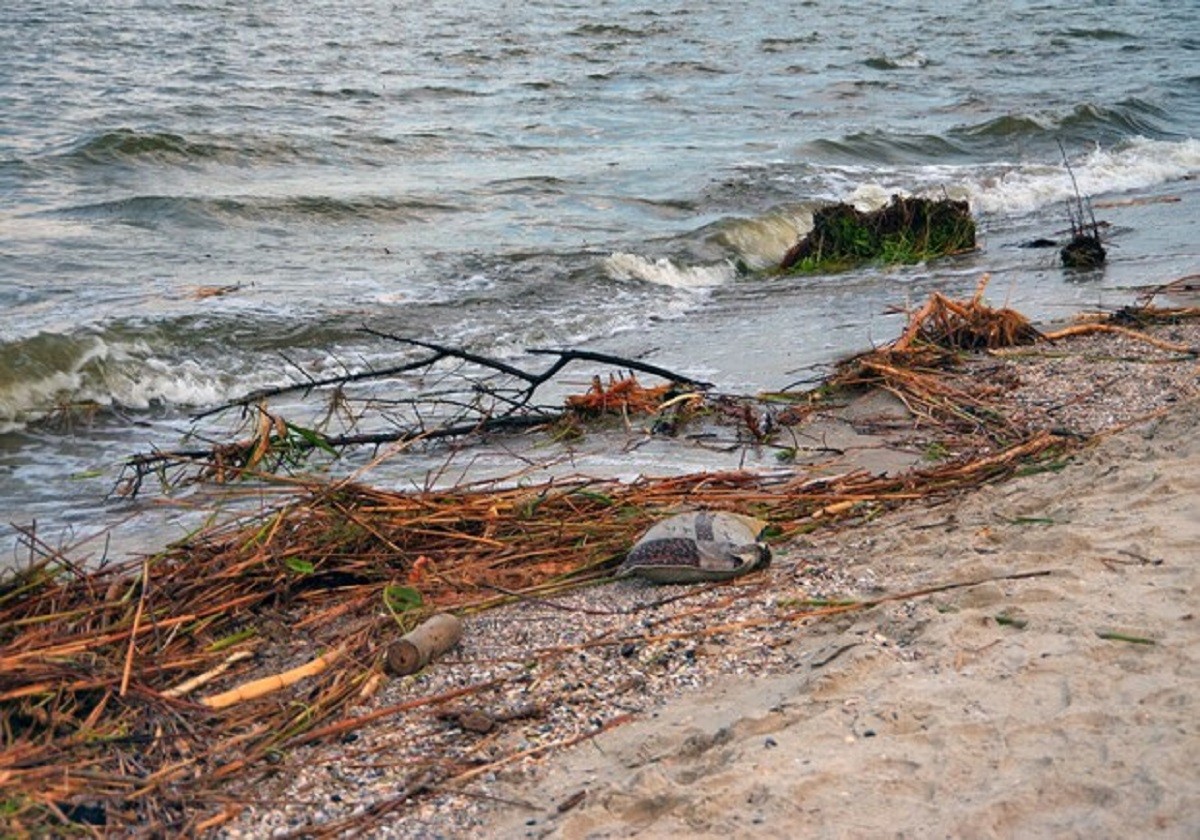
(500, 401)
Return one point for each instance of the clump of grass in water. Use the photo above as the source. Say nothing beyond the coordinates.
(907, 230)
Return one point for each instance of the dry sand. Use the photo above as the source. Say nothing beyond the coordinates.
(1062, 705)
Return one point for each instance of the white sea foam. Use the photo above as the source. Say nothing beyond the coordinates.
(1142, 164)
(106, 374)
(1022, 188)
(665, 272)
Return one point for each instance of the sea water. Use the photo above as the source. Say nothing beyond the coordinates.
(199, 199)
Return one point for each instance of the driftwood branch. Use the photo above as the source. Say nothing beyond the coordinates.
(497, 397)
(565, 357)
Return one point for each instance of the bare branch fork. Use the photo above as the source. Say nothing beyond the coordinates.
(441, 352)
(510, 409)
(565, 357)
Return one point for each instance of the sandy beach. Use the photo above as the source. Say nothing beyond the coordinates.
(966, 630)
(1060, 705)
(1017, 660)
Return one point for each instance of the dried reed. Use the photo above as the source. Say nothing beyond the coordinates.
(101, 721)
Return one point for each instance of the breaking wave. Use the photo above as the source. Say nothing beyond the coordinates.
(666, 272)
(47, 371)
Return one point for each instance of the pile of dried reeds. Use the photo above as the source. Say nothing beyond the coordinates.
(622, 395)
(919, 367)
(102, 673)
(965, 325)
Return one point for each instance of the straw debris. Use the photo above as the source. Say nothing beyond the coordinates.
(101, 718)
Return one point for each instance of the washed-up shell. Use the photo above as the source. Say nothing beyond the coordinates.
(700, 546)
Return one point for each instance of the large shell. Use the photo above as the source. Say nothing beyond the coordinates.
(699, 546)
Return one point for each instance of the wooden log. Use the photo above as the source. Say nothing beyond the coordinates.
(415, 650)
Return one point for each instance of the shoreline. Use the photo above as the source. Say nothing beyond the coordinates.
(995, 707)
(883, 549)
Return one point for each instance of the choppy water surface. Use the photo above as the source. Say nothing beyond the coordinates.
(549, 173)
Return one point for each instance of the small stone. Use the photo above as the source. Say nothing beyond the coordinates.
(770, 742)
(476, 721)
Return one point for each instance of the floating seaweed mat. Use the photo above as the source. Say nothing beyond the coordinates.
(95, 712)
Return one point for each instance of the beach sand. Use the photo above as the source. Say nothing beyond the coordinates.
(1065, 704)
(1018, 660)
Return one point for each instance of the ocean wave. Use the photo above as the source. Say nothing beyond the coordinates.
(665, 272)
(1032, 132)
(911, 60)
(1138, 164)
(1014, 188)
(761, 241)
(46, 372)
(1099, 34)
(152, 211)
(1086, 122)
(128, 146)
(613, 30)
(885, 147)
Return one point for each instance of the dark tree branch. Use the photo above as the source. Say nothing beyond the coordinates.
(565, 356)
(464, 403)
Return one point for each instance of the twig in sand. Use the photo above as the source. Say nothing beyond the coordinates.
(266, 685)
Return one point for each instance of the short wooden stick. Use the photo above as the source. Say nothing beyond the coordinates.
(415, 650)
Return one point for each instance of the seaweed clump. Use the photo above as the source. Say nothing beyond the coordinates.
(906, 230)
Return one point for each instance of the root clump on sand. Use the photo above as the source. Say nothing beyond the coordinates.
(107, 675)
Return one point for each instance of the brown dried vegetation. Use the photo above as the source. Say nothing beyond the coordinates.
(104, 672)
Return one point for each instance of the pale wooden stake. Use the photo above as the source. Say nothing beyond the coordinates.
(415, 650)
(259, 687)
